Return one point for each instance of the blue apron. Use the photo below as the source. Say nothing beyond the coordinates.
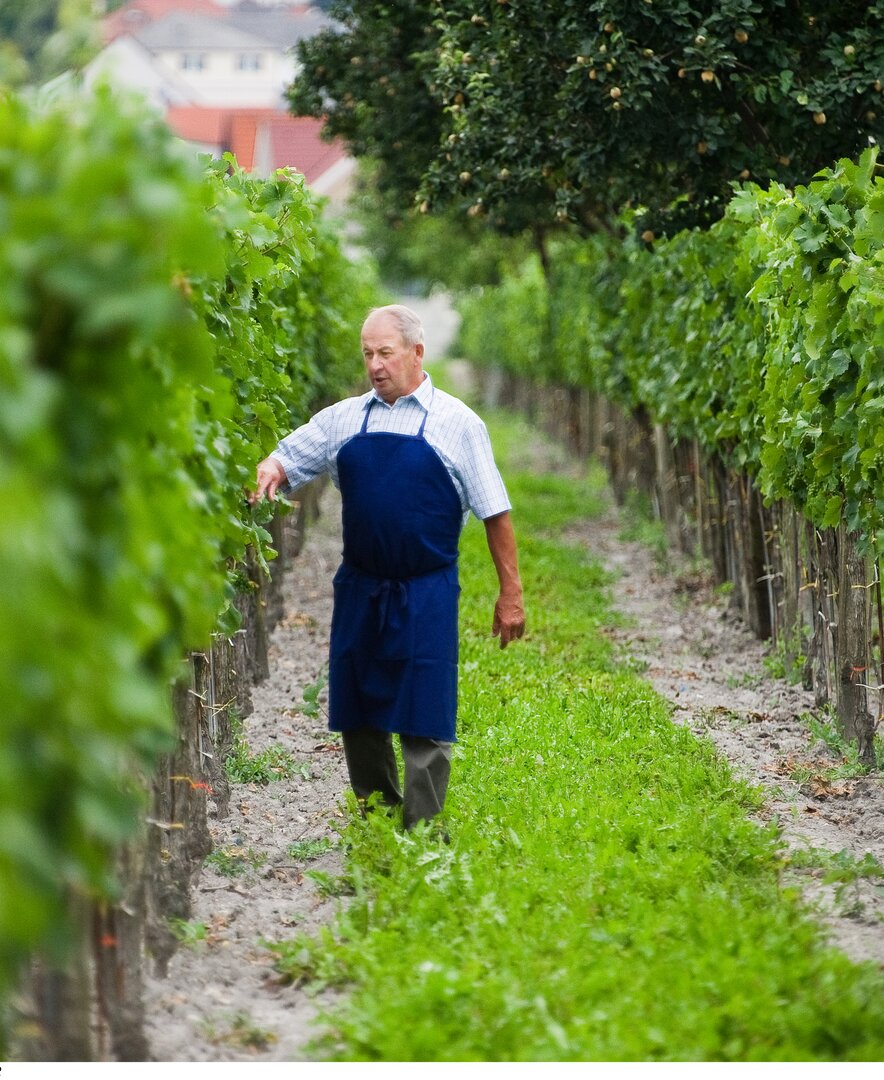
(393, 655)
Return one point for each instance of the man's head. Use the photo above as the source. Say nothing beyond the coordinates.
(393, 351)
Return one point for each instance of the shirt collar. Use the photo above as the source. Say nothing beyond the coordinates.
(423, 395)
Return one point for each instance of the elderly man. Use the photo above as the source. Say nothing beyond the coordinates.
(410, 461)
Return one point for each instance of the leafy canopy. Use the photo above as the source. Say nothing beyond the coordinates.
(530, 113)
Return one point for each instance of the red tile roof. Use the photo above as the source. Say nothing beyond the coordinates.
(225, 129)
(294, 141)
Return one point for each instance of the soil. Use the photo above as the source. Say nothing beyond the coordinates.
(222, 1001)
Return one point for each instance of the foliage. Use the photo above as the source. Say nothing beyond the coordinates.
(532, 114)
(42, 38)
(28, 26)
(369, 77)
(604, 896)
(420, 252)
(761, 337)
(160, 326)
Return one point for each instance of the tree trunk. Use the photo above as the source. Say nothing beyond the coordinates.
(852, 654)
(667, 483)
(63, 999)
(118, 941)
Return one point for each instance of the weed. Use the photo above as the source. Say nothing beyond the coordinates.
(329, 885)
(842, 869)
(236, 861)
(311, 706)
(189, 933)
(273, 763)
(785, 659)
(240, 1030)
(309, 849)
(824, 727)
(643, 526)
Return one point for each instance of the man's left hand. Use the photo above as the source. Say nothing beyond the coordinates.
(509, 619)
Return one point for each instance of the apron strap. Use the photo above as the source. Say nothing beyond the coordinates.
(364, 429)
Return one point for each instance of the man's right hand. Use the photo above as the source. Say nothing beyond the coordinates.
(271, 475)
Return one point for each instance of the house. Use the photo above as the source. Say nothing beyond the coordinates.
(218, 73)
(137, 14)
(128, 65)
(222, 63)
(263, 140)
(239, 56)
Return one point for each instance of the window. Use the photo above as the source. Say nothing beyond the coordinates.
(193, 61)
(250, 61)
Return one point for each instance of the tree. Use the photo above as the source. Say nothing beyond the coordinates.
(371, 77)
(27, 26)
(422, 251)
(537, 113)
(42, 38)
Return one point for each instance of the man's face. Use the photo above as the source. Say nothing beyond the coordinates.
(395, 369)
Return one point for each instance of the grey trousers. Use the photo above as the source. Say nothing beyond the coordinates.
(371, 763)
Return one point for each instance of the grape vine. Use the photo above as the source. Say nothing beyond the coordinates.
(161, 324)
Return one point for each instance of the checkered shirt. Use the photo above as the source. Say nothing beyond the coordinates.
(453, 430)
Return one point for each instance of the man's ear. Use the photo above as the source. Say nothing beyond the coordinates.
(419, 350)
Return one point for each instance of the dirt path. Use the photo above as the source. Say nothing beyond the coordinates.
(221, 1001)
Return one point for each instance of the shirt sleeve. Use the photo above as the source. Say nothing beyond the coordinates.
(304, 453)
(483, 485)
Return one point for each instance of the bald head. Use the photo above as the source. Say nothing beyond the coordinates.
(407, 322)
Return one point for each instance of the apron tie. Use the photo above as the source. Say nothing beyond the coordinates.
(382, 594)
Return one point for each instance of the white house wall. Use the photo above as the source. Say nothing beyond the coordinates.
(221, 81)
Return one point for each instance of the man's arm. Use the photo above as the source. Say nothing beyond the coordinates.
(297, 459)
(509, 612)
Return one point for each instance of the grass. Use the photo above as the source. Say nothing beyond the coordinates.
(604, 895)
(824, 727)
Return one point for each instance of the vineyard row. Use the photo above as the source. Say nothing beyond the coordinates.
(162, 322)
(736, 376)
